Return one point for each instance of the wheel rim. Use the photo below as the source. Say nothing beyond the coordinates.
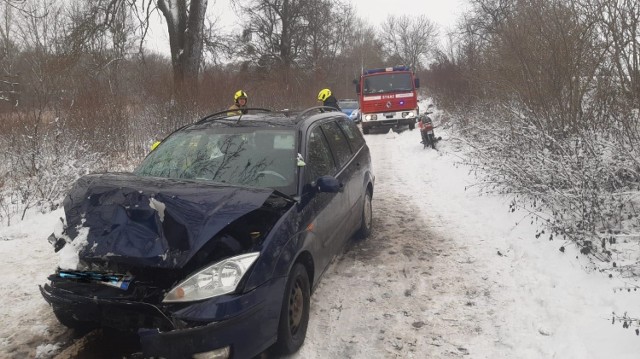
(296, 307)
(367, 211)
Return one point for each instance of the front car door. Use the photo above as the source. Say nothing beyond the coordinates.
(321, 211)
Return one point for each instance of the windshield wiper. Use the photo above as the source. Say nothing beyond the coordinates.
(285, 196)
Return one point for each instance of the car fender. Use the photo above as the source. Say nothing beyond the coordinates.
(278, 248)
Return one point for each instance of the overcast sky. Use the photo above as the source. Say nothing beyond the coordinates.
(443, 12)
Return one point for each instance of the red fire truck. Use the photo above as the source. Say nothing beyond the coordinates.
(388, 98)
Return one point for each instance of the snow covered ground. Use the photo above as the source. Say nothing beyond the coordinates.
(28, 328)
(447, 273)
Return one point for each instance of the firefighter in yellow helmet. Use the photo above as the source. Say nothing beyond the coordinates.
(328, 99)
(239, 103)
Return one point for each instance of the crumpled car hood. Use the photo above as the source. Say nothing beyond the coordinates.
(152, 222)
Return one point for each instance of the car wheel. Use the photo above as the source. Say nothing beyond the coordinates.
(367, 217)
(294, 316)
(67, 319)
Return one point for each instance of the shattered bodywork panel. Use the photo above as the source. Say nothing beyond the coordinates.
(153, 222)
(143, 235)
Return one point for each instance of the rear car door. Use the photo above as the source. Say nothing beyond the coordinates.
(360, 168)
(327, 212)
(343, 157)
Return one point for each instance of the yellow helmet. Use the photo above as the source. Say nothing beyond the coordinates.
(239, 94)
(324, 94)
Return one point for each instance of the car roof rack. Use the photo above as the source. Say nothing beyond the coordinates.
(320, 109)
(219, 115)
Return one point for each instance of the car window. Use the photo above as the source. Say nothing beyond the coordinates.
(338, 143)
(243, 156)
(319, 161)
(353, 134)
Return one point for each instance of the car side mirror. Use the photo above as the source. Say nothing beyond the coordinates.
(416, 83)
(328, 184)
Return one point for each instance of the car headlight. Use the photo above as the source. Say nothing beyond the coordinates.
(217, 279)
(410, 114)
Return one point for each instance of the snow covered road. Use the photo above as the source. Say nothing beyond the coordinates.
(446, 274)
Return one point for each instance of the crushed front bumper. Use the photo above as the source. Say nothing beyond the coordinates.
(246, 323)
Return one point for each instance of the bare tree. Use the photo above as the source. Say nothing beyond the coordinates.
(16, 4)
(275, 30)
(121, 19)
(8, 78)
(408, 39)
(362, 50)
(218, 46)
(185, 23)
(621, 27)
(365, 46)
(545, 55)
(329, 24)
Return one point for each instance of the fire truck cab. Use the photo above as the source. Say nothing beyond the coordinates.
(388, 98)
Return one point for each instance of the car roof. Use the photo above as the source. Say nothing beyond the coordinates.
(263, 118)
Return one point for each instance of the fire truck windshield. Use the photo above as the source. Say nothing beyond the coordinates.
(387, 82)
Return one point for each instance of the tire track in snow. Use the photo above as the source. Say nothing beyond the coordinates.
(407, 291)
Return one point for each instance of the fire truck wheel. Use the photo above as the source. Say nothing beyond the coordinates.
(412, 126)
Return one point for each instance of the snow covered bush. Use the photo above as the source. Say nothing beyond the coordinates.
(583, 186)
(37, 172)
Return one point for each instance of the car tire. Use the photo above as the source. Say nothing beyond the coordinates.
(294, 315)
(367, 217)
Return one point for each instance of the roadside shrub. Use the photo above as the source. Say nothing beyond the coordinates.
(37, 174)
(582, 186)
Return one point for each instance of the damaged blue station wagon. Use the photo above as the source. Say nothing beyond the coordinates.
(213, 245)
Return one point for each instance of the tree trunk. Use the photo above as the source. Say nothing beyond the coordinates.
(185, 40)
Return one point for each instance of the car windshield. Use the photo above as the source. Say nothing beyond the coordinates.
(240, 156)
(387, 82)
(348, 104)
